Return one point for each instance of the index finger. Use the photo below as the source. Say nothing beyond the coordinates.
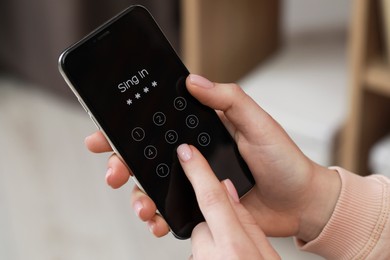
(97, 143)
(211, 196)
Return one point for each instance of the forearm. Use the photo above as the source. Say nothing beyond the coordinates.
(321, 200)
(359, 226)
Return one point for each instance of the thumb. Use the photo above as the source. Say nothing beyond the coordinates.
(240, 109)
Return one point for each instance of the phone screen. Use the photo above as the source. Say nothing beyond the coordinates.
(132, 83)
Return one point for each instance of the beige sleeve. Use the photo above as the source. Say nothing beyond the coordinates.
(359, 227)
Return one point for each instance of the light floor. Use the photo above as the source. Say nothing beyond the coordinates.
(54, 203)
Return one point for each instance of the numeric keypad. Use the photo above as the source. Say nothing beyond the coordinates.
(184, 126)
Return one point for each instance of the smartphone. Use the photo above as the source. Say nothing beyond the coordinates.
(131, 82)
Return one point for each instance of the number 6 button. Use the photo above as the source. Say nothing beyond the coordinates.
(192, 121)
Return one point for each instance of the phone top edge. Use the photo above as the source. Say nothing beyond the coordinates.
(100, 27)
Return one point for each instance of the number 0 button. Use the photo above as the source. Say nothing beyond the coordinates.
(150, 152)
(162, 170)
(138, 134)
(180, 103)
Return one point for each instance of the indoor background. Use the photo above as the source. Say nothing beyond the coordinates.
(318, 67)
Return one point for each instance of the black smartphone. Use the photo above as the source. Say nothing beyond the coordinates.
(131, 82)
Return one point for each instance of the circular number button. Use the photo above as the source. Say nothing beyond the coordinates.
(138, 134)
(162, 170)
(204, 139)
(159, 118)
(171, 136)
(192, 121)
(150, 152)
(180, 103)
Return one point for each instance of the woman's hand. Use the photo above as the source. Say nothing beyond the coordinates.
(230, 231)
(293, 196)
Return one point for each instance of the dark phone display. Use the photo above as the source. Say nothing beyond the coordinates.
(133, 83)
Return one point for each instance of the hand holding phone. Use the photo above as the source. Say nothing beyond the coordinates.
(132, 84)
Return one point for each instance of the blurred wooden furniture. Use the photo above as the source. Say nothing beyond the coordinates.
(224, 39)
(369, 111)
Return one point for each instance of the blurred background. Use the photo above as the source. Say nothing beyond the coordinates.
(318, 67)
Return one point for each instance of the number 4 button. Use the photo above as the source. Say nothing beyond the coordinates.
(150, 152)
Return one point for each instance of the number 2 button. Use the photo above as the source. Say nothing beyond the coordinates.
(159, 118)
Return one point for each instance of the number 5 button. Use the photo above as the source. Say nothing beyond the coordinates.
(171, 136)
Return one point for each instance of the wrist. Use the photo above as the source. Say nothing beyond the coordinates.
(321, 199)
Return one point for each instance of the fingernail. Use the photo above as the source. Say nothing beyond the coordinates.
(151, 225)
(86, 139)
(138, 206)
(184, 152)
(108, 175)
(200, 81)
(231, 190)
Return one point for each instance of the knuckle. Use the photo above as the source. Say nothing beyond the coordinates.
(211, 198)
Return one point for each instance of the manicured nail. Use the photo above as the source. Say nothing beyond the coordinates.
(231, 190)
(151, 224)
(138, 206)
(200, 81)
(184, 152)
(86, 139)
(108, 175)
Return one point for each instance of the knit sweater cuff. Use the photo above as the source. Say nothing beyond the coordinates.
(358, 220)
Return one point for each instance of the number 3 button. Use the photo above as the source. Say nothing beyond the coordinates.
(180, 103)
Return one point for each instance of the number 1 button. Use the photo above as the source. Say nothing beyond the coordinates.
(138, 134)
